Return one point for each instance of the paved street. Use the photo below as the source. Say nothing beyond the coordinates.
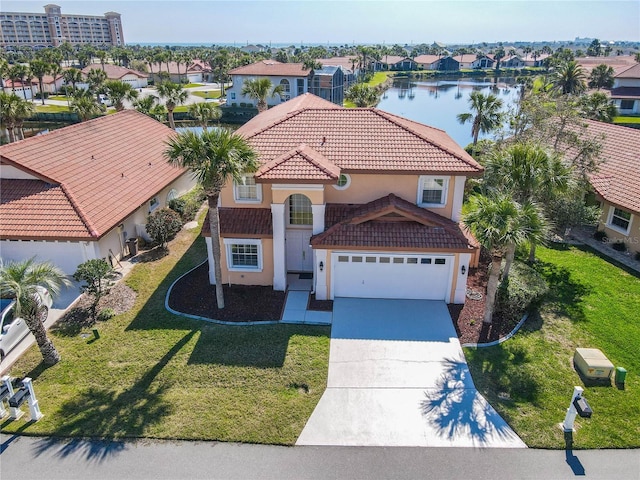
(37, 458)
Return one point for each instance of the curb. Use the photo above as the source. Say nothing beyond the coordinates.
(500, 340)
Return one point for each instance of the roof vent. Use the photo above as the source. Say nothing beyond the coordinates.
(324, 139)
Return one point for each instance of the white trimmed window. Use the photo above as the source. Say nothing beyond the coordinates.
(247, 190)
(286, 89)
(172, 195)
(619, 220)
(432, 191)
(343, 182)
(244, 254)
(153, 204)
(300, 212)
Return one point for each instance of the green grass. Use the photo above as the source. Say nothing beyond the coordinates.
(592, 304)
(379, 78)
(629, 120)
(52, 108)
(155, 375)
(206, 94)
(58, 97)
(191, 85)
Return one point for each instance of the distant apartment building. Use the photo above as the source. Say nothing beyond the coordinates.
(52, 28)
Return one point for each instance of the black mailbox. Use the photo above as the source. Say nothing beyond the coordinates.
(19, 397)
(4, 392)
(583, 408)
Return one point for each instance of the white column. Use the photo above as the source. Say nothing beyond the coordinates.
(318, 218)
(279, 263)
(321, 276)
(212, 262)
(460, 294)
(458, 194)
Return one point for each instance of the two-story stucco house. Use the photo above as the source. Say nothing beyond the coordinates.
(80, 192)
(365, 202)
(625, 93)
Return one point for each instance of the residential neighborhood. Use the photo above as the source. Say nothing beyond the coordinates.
(317, 247)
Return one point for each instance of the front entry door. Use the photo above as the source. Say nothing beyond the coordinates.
(299, 252)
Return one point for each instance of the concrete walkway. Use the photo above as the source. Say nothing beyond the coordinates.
(398, 377)
(584, 235)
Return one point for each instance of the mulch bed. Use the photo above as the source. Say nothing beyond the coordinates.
(193, 294)
(467, 318)
(320, 305)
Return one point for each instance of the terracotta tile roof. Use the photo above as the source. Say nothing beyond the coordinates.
(618, 177)
(427, 58)
(107, 167)
(194, 67)
(114, 72)
(272, 67)
(393, 59)
(389, 222)
(625, 92)
(28, 203)
(244, 222)
(357, 139)
(631, 72)
(302, 164)
(619, 63)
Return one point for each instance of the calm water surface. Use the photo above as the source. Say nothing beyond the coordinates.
(438, 102)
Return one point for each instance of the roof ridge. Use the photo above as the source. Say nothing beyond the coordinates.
(386, 115)
(87, 223)
(304, 146)
(19, 166)
(627, 69)
(276, 122)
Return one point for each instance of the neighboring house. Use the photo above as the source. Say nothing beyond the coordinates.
(395, 62)
(195, 71)
(448, 64)
(483, 61)
(252, 49)
(366, 202)
(328, 83)
(465, 61)
(349, 67)
(626, 90)
(80, 192)
(427, 62)
(617, 182)
(293, 77)
(619, 63)
(115, 72)
(531, 61)
(22, 90)
(512, 61)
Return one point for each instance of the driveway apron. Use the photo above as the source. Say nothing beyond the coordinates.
(398, 377)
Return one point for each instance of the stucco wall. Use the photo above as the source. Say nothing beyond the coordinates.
(265, 277)
(631, 240)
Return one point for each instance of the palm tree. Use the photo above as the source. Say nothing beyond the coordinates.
(498, 55)
(362, 95)
(529, 174)
(601, 76)
(173, 94)
(13, 111)
(259, 89)
(487, 116)
(149, 106)
(96, 79)
(19, 72)
(203, 112)
(39, 68)
(20, 280)
(85, 106)
(569, 78)
(118, 92)
(598, 106)
(214, 157)
(500, 224)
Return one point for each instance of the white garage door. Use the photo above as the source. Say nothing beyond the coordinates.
(384, 275)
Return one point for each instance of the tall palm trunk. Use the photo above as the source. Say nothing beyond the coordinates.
(172, 123)
(214, 223)
(492, 288)
(509, 256)
(50, 355)
(532, 252)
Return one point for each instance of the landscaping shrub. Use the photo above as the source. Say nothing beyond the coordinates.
(600, 235)
(106, 314)
(98, 277)
(619, 246)
(188, 205)
(523, 290)
(39, 95)
(163, 225)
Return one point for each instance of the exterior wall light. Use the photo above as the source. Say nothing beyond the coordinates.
(321, 266)
(463, 269)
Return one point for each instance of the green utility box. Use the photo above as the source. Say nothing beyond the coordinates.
(621, 375)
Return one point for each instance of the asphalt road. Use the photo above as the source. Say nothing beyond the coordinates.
(42, 458)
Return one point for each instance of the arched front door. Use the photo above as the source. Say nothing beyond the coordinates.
(299, 254)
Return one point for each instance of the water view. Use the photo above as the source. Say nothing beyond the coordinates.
(438, 102)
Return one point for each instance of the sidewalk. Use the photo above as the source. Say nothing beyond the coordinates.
(584, 235)
(46, 458)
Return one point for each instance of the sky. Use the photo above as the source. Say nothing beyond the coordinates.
(242, 22)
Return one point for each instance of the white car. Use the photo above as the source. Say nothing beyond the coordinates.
(12, 328)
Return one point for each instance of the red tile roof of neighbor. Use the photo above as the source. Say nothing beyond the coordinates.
(303, 164)
(389, 222)
(96, 173)
(631, 72)
(272, 67)
(244, 222)
(114, 72)
(356, 139)
(427, 58)
(619, 63)
(618, 177)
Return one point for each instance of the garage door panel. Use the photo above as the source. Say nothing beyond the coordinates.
(392, 276)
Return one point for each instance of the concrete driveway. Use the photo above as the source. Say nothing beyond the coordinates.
(398, 377)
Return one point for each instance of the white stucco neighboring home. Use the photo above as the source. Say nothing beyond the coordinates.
(115, 72)
(366, 203)
(80, 192)
(625, 93)
(293, 77)
(427, 62)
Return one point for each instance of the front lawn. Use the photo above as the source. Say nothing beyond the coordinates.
(529, 379)
(208, 94)
(156, 375)
(52, 108)
(627, 120)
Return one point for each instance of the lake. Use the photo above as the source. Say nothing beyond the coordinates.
(438, 102)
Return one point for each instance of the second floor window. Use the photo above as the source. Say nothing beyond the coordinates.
(433, 191)
(247, 190)
(300, 212)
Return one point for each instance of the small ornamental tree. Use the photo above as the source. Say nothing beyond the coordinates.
(163, 226)
(99, 277)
